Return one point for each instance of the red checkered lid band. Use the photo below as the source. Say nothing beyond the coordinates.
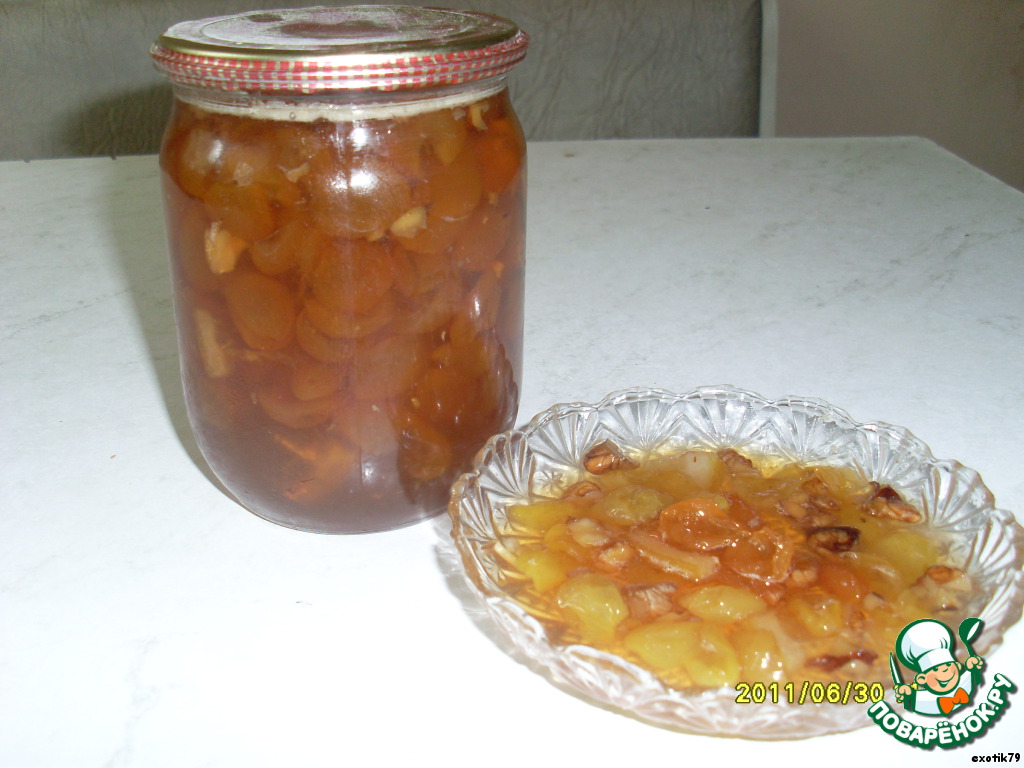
(312, 75)
(418, 55)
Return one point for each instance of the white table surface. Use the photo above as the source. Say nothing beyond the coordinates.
(148, 620)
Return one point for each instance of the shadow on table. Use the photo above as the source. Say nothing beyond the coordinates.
(133, 208)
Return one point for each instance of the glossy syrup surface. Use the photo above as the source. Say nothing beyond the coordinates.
(713, 570)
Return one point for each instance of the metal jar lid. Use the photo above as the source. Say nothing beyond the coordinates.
(314, 50)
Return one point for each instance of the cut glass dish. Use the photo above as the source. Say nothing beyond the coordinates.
(545, 456)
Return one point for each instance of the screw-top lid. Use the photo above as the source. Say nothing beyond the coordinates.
(310, 50)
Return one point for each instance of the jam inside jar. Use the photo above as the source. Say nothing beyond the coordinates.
(347, 262)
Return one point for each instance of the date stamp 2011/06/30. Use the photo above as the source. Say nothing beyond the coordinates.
(809, 692)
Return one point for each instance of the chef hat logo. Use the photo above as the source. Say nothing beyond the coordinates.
(925, 644)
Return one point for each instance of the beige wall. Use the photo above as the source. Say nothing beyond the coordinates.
(949, 70)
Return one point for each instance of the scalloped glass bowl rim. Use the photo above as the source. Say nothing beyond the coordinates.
(547, 452)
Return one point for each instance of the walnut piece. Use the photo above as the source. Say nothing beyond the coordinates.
(649, 601)
(735, 461)
(804, 572)
(812, 510)
(885, 502)
(833, 538)
(606, 456)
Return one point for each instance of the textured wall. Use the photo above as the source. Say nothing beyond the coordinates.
(75, 77)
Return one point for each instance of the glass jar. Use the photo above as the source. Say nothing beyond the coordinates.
(344, 194)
